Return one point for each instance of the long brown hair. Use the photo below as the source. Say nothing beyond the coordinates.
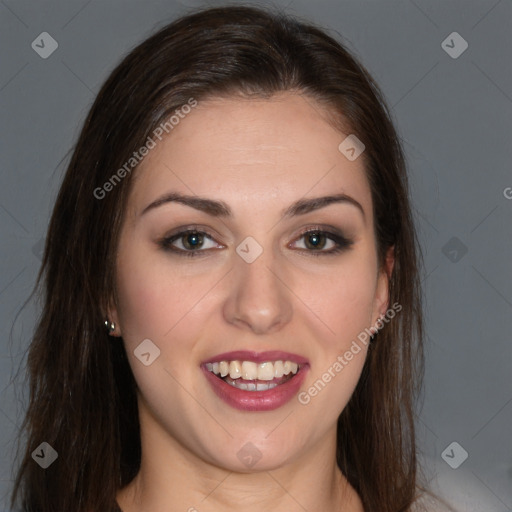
(82, 392)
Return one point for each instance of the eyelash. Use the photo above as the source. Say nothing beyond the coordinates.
(341, 242)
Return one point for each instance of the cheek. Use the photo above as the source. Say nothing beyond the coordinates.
(158, 303)
(342, 299)
(153, 297)
(344, 302)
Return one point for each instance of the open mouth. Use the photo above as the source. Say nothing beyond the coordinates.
(256, 381)
(252, 376)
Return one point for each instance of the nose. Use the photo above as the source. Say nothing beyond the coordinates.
(258, 299)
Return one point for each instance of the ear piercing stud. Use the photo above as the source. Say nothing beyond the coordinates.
(111, 326)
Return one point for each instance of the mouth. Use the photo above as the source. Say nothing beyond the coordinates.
(251, 376)
(255, 381)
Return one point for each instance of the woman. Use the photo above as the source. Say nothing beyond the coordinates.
(231, 313)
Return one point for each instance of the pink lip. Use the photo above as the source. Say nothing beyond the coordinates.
(257, 357)
(257, 400)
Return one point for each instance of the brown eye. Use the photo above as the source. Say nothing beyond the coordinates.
(190, 242)
(315, 240)
(319, 242)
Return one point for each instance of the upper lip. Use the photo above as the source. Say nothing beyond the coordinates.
(257, 357)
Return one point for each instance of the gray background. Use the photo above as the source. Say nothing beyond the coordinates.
(454, 116)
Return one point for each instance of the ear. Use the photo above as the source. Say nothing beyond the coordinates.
(381, 301)
(113, 316)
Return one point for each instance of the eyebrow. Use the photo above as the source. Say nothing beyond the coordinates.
(217, 208)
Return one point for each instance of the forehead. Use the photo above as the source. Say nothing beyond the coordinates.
(265, 151)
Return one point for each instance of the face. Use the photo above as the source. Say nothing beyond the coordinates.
(256, 282)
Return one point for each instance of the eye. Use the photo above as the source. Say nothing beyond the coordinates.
(317, 239)
(189, 242)
(193, 242)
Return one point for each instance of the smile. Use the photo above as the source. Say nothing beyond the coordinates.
(256, 382)
(251, 376)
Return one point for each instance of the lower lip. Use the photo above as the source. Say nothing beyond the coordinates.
(256, 400)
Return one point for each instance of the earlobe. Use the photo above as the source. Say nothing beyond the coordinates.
(112, 321)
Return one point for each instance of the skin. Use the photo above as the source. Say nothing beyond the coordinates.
(258, 156)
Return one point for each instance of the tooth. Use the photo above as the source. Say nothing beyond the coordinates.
(223, 368)
(278, 369)
(249, 370)
(265, 371)
(235, 369)
(252, 386)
